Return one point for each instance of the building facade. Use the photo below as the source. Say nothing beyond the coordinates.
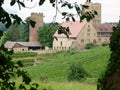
(23, 46)
(81, 34)
(85, 32)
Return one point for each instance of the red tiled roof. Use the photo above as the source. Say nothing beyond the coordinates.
(74, 27)
(104, 27)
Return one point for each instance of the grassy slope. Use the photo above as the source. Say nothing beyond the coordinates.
(55, 66)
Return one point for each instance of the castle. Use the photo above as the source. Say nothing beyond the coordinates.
(33, 43)
(84, 32)
(94, 7)
(33, 34)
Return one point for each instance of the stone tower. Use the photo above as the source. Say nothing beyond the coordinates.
(95, 7)
(33, 34)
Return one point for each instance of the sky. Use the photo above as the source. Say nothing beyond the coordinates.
(110, 10)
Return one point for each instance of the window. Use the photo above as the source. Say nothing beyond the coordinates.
(69, 47)
(88, 30)
(94, 41)
(99, 40)
(82, 41)
(88, 34)
(61, 43)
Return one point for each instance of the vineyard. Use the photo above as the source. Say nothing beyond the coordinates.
(53, 68)
(55, 65)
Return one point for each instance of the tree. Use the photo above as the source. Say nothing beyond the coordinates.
(111, 79)
(76, 72)
(7, 68)
(16, 33)
(46, 35)
(2, 27)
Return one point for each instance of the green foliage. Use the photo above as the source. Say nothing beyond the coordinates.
(16, 33)
(76, 72)
(25, 62)
(56, 65)
(2, 27)
(89, 46)
(105, 44)
(46, 35)
(24, 54)
(114, 63)
(44, 78)
(8, 70)
(67, 86)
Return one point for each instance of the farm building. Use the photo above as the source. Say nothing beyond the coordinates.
(23, 46)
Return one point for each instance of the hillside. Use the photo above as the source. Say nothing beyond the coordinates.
(55, 66)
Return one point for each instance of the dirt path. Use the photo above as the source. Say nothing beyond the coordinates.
(23, 58)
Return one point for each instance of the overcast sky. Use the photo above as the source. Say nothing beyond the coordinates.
(110, 10)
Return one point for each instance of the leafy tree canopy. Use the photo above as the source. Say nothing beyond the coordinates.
(46, 35)
(110, 80)
(7, 68)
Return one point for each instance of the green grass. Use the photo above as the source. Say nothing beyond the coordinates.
(24, 54)
(25, 62)
(55, 66)
(67, 86)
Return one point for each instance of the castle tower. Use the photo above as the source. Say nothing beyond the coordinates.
(33, 34)
(95, 7)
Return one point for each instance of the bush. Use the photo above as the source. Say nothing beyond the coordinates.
(76, 72)
(89, 46)
(105, 44)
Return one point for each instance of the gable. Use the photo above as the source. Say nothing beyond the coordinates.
(87, 29)
(74, 27)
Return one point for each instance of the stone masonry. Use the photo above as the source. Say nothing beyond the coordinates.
(33, 34)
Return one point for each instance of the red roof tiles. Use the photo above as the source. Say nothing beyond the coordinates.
(104, 27)
(74, 27)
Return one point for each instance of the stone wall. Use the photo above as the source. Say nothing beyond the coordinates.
(33, 34)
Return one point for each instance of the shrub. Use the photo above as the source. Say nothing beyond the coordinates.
(89, 46)
(105, 44)
(76, 72)
(71, 51)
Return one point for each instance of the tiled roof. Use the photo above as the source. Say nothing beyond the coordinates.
(29, 44)
(74, 27)
(104, 27)
(10, 44)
